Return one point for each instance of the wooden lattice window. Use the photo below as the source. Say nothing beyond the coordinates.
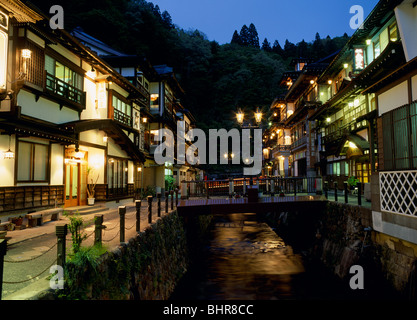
(33, 67)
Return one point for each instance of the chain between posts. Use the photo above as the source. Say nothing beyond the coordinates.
(32, 278)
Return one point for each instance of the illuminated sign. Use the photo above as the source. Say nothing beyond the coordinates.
(359, 59)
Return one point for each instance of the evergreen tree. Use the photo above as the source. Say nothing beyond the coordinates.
(318, 48)
(236, 38)
(290, 49)
(253, 38)
(167, 20)
(244, 36)
(302, 49)
(277, 48)
(266, 46)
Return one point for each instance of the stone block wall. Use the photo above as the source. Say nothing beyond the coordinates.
(147, 267)
(344, 240)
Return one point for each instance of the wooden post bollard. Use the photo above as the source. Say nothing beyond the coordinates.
(207, 189)
(359, 184)
(150, 199)
(326, 189)
(172, 199)
(61, 233)
(3, 250)
(122, 214)
(295, 187)
(335, 191)
(138, 204)
(158, 197)
(98, 223)
(166, 201)
(176, 197)
(345, 186)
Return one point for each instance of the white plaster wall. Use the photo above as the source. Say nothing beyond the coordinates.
(393, 98)
(406, 17)
(93, 136)
(114, 150)
(44, 109)
(414, 87)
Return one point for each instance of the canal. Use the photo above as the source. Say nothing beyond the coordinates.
(243, 259)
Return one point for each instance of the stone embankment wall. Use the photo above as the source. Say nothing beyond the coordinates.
(147, 267)
(346, 238)
(341, 236)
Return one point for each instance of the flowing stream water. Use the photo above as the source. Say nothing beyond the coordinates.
(244, 259)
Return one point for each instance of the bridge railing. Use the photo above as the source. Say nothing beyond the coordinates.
(238, 186)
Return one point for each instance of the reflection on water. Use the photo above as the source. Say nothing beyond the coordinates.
(246, 260)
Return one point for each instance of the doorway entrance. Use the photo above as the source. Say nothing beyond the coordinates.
(72, 184)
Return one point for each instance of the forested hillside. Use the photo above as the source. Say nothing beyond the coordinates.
(218, 79)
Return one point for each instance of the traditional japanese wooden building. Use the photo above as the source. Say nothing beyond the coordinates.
(66, 116)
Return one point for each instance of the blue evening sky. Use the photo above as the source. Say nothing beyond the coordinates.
(294, 20)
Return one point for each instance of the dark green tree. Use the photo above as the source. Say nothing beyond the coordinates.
(253, 37)
(290, 49)
(167, 20)
(236, 38)
(277, 48)
(244, 36)
(266, 46)
(302, 49)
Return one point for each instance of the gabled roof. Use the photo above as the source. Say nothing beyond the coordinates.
(94, 43)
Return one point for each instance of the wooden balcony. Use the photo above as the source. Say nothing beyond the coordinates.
(299, 143)
(65, 93)
(122, 118)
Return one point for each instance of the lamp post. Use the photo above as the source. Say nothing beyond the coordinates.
(240, 117)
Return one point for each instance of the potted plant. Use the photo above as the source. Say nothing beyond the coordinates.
(91, 185)
(352, 182)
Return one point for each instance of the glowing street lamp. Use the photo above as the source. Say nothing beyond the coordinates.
(240, 116)
(258, 116)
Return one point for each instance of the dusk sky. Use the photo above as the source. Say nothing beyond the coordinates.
(294, 20)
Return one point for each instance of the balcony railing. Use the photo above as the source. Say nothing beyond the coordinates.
(281, 150)
(342, 131)
(64, 91)
(123, 118)
(299, 142)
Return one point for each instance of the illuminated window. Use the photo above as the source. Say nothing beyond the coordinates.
(377, 49)
(154, 137)
(63, 73)
(32, 165)
(393, 32)
(154, 101)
